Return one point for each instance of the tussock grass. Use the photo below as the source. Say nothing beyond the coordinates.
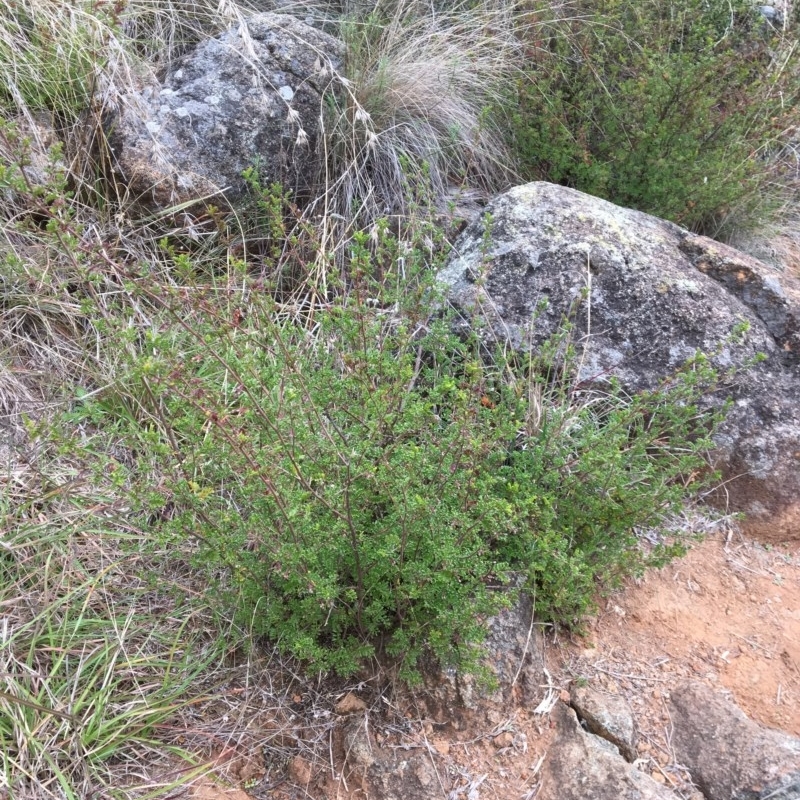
(92, 659)
(411, 119)
(774, 235)
(49, 54)
(162, 30)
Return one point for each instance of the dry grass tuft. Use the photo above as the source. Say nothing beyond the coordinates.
(410, 121)
(774, 236)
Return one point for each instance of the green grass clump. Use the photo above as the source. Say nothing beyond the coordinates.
(679, 108)
(51, 54)
(88, 672)
(97, 661)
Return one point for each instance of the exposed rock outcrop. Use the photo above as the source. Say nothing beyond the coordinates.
(513, 659)
(401, 775)
(253, 94)
(729, 756)
(607, 716)
(581, 765)
(645, 296)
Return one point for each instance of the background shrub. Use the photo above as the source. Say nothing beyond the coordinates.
(676, 108)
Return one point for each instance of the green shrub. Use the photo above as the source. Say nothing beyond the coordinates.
(365, 484)
(673, 108)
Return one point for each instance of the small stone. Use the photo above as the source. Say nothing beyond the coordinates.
(505, 739)
(357, 745)
(657, 776)
(442, 746)
(494, 717)
(607, 716)
(350, 704)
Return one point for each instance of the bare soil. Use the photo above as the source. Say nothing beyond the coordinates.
(727, 614)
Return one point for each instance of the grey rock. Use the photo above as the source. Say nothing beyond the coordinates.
(580, 765)
(513, 657)
(772, 15)
(406, 776)
(224, 106)
(607, 716)
(514, 654)
(398, 775)
(728, 756)
(358, 747)
(645, 295)
(29, 143)
(773, 297)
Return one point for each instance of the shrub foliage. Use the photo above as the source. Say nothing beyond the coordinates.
(353, 479)
(674, 108)
(365, 484)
